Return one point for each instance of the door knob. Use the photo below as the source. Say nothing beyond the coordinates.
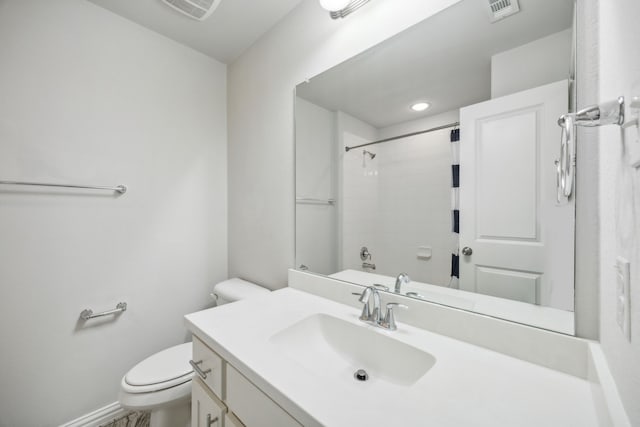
(467, 251)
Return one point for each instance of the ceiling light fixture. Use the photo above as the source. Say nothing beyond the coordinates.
(420, 106)
(334, 5)
(341, 8)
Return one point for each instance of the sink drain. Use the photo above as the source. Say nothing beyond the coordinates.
(361, 375)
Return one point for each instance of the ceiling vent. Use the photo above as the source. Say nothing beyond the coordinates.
(196, 9)
(500, 9)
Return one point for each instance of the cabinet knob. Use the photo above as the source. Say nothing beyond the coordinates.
(211, 421)
(467, 251)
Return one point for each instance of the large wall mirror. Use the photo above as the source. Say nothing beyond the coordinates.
(434, 154)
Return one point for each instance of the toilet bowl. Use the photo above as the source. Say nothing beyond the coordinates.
(161, 383)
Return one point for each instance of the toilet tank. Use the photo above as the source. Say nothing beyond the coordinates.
(236, 289)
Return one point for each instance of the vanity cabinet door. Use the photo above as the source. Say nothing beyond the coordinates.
(252, 407)
(206, 409)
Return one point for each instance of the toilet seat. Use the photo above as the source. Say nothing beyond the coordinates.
(159, 380)
(163, 370)
(154, 400)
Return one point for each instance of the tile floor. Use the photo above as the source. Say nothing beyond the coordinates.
(132, 419)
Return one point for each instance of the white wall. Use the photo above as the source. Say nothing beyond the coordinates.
(316, 224)
(619, 73)
(261, 159)
(534, 64)
(88, 97)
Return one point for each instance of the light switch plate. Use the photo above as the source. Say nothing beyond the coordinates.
(623, 282)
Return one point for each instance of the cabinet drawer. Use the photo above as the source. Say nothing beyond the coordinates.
(252, 406)
(206, 409)
(211, 365)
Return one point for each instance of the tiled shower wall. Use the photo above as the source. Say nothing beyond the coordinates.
(403, 198)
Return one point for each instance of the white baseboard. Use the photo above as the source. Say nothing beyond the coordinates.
(97, 417)
(606, 399)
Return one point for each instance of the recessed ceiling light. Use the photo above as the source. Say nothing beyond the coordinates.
(334, 5)
(420, 106)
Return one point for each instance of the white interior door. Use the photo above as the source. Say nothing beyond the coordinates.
(521, 240)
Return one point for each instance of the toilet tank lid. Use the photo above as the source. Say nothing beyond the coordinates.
(237, 289)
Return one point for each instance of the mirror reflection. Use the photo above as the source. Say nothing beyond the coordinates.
(426, 165)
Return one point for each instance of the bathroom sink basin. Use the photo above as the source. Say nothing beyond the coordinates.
(330, 346)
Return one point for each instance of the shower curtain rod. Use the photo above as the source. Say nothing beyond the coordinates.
(450, 125)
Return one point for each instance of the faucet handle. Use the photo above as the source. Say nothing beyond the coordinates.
(364, 299)
(389, 321)
(390, 305)
(415, 294)
(382, 287)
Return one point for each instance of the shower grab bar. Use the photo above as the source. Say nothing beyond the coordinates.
(118, 188)
(312, 201)
(406, 135)
(89, 314)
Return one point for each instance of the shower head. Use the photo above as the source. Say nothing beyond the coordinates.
(366, 153)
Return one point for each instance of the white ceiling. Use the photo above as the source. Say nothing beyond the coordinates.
(445, 59)
(233, 27)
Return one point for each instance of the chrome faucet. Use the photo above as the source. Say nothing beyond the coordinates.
(370, 314)
(368, 265)
(374, 315)
(403, 278)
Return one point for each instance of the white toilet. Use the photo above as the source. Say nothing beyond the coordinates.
(161, 383)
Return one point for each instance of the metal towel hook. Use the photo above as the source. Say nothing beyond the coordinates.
(606, 113)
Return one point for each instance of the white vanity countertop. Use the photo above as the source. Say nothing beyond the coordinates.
(467, 386)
